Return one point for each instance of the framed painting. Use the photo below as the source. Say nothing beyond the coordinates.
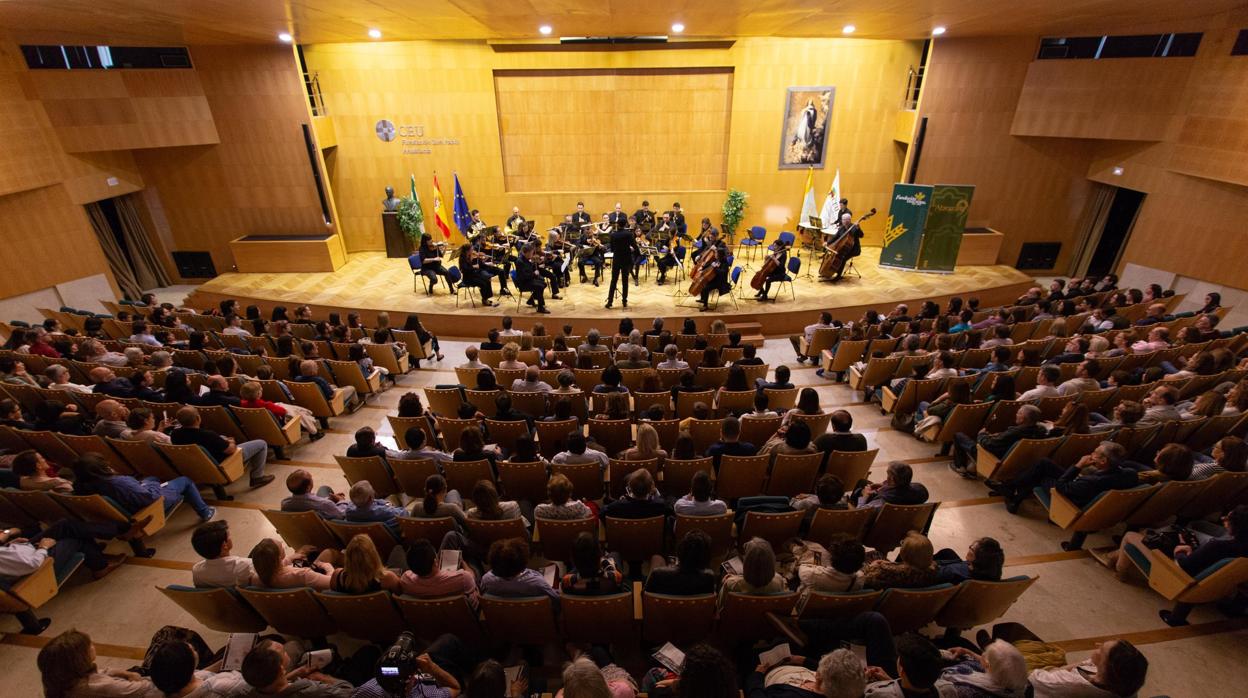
(803, 139)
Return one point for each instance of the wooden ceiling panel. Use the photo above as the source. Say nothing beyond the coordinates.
(178, 22)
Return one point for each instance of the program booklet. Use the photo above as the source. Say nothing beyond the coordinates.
(671, 658)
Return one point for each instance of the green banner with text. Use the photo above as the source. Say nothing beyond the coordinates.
(903, 230)
(946, 221)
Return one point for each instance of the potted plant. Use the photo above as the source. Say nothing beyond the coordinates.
(411, 219)
(733, 212)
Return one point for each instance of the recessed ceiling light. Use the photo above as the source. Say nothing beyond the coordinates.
(848, 29)
(1117, 171)
(938, 31)
(285, 38)
(545, 29)
(374, 33)
(678, 28)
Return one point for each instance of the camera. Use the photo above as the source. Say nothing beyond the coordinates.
(397, 665)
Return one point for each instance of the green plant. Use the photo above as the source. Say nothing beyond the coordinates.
(734, 210)
(411, 218)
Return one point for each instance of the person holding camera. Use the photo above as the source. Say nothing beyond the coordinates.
(403, 673)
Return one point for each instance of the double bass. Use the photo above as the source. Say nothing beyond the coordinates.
(837, 254)
(769, 266)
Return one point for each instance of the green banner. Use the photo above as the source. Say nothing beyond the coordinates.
(903, 230)
(946, 221)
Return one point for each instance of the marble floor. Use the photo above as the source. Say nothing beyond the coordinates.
(1075, 602)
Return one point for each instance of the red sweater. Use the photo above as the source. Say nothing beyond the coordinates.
(270, 406)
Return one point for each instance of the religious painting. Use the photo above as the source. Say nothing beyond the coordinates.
(804, 135)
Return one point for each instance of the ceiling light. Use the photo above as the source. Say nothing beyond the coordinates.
(938, 31)
(1117, 171)
(545, 29)
(285, 38)
(678, 28)
(374, 33)
(848, 29)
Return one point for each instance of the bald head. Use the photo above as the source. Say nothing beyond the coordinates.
(111, 410)
(218, 382)
(531, 373)
(102, 374)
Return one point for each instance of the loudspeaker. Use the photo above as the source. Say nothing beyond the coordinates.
(195, 265)
(1038, 255)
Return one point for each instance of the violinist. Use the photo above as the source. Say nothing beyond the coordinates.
(555, 248)
(499, 252)
(431, 263)
(476, 272)
(780, 255)
(529, 277)
(668, 240)
(642, 258)
(593, 253)
(717, 268)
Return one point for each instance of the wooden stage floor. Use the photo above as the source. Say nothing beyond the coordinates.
(371, 282)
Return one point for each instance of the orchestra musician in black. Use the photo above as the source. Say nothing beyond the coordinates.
(667, 240)
(719, 281)
(515, 220)
(581, 217)
(431, 263)
(529, 277)
(617, 218)
(555, 250)
(623, 251)
(644, 217)
(476, 273)
(847, 226)
(592, 250)
(678, 219)
(709, 239)
(780, 252)
(497, 258)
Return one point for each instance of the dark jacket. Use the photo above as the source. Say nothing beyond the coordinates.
(117, 387)
(842, 441)
(629, 508)
(1066, 358)
(999, 444)
(1082, 489)
(1210, 552)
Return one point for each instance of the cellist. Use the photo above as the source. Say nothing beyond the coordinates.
(847, 249)
(717, 267)
(779, 253)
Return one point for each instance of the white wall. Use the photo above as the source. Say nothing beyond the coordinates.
(84, 294)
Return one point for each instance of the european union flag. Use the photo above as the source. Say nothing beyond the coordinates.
(463, 215)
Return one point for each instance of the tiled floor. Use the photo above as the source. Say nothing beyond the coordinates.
(1074, 600)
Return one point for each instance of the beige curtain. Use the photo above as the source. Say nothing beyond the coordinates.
(148, 270)
(117, 261)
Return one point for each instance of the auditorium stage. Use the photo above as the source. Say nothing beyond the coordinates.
(371, 282)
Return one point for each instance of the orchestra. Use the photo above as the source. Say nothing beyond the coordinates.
(627, 243)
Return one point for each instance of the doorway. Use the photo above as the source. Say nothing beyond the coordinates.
(1114, 233)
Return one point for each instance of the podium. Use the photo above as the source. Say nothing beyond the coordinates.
(397, 244)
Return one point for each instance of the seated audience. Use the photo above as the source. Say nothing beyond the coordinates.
(699, 502)
(561, 505)
(914, 567)
(326, 502)
(898, 488)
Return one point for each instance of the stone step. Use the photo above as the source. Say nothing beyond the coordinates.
(751, 332)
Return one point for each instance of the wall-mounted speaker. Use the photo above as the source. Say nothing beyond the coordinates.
(195, 265)
(1038, 255)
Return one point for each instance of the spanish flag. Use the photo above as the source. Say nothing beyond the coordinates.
(440, 216)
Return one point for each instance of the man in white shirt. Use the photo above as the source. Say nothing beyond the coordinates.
(219, 568)
(234, 325)
(578, 452)
(531, 383)
(825, 322)
(670, 352)
(417, 449)
(1158, 339)
(1046, 384)
(58, 377)
(1084, 380)
(472, 352)
(508, 331)
(140, 335)
(1115, 669)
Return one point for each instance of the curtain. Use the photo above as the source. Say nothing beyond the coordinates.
(148, 270)
(117, 261)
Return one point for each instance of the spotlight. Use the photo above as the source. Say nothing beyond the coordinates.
(848, 29)
(374, 33)
(285, 38)
(545, 29)
(678, 28)
(1117, 171)
(938, 31)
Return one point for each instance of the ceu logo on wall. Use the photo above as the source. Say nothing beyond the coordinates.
(411, 137)
(385, 130)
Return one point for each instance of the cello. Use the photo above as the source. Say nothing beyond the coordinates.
(769, 266)
(838, 253)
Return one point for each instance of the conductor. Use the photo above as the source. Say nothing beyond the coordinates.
(623, 251)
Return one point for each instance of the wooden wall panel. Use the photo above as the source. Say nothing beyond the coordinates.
(48, 240)
(1030, 189)
(257, 180)
(29, 158)
(93, 110)
(87, 175)
(1213, 140)
(1130, 99)
(579, 131)
(448, 87)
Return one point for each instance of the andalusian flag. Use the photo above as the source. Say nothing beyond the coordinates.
(808, 200)
(440, 217)
(831, 212)
(463, 214)
(416, 198)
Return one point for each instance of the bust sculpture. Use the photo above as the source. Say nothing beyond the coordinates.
(390, 204)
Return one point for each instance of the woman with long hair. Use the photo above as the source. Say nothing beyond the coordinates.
(277, 570)
(647, 447)
(439, 501)
(362, 570)
(413, 324)
(487, 506)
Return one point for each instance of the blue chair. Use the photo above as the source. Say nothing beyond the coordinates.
(755, 238)
(788, 238)
(415, 263)
(795, 265)
(456, 277)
